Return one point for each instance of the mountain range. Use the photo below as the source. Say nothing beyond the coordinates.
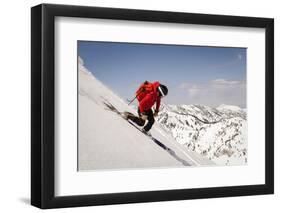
(220, 134)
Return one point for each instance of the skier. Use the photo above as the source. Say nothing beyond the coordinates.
(147, 95)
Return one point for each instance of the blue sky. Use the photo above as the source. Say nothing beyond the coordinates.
(193, 74)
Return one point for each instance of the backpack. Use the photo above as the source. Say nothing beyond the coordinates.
(145, 88)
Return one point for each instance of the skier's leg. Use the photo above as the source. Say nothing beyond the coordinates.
(137, 120)
(150, 119)
(139, 113)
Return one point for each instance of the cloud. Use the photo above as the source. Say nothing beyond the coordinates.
(224, 82)
(214, 92)
(184, 85)
(192, 89)
(239, 56)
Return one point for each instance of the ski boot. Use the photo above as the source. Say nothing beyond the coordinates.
(146, 132)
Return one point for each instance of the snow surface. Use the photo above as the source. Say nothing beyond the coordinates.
(107, 141)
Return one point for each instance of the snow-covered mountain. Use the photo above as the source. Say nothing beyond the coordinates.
(107, 141)
(219, 133)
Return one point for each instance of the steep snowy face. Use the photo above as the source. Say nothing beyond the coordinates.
(219, 134)
(107, 141)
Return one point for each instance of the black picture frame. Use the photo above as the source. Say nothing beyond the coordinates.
(43, 105)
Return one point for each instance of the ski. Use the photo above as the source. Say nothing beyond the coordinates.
(159, 143)
(123, 115)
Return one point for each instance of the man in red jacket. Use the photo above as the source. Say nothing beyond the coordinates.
(148, 94)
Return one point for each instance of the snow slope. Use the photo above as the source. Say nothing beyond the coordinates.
(107, 141)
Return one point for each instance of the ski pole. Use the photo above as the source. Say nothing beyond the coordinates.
(132, 100)
(137, 95)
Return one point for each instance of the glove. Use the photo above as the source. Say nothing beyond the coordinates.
(155, 114)
(143, 117)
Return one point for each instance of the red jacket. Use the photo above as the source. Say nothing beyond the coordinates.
(148, 99)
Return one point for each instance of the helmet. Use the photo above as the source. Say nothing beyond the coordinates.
(163, 90)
